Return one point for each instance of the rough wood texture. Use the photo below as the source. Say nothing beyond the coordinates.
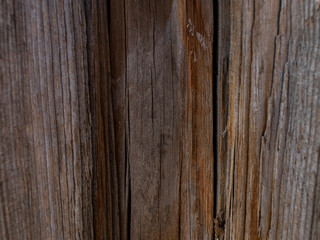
(161, 65)
(112, 112)
(86, 158)
(52, 184)
(269, 122)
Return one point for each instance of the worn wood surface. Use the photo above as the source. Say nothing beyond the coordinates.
(53, 153)
(171, 119)
(269, 122)
(161, 66)
(87, 156)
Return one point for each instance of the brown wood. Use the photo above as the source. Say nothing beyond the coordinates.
(85, 157)
(268, 119)
(171, 119)
(52, 168)
(161, 66)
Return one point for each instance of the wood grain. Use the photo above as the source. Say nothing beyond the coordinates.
(161, 66)
(87, 156)
(269, 121)
(172, 119)
(51, 180)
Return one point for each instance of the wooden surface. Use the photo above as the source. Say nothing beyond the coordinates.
(161, 66)
(269, 122)
(171, 119)
(84, 155)
(49, 187)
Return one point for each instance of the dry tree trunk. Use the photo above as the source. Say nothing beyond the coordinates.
(171, 119)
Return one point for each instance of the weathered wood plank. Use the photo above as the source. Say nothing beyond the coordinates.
(50, 178)
(161, 65)
(108, 116)
(272, 129)
(100, 159)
